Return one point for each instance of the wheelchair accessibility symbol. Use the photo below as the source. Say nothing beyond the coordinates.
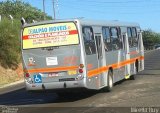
(37, 79)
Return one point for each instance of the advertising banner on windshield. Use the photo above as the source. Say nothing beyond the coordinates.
(58, 34)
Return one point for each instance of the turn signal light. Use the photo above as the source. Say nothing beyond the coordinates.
(27, 75)
(81, 66)
(80, 70)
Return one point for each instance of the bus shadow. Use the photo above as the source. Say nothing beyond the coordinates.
(75, 96)
(22, 97)
(71, 96)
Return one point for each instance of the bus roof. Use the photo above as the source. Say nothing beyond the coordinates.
(87, 22)
(107, 23)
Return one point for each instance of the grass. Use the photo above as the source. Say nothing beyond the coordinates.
(9, 76)
(9, 43)
(10, 71)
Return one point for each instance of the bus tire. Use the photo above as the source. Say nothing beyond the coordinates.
(109, 86)
(132, 77)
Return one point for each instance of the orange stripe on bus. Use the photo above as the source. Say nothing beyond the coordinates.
(97, 71)
(91, 72)
(141, 58)
(41, 70)
(133, 52)
(114, 66)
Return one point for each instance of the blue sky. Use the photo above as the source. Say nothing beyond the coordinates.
(144, 12)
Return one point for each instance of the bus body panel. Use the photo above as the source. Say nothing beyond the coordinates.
(57, 64)
(67, 59)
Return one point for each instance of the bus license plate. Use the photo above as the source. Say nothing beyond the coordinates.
(72, 72)
(52, 74)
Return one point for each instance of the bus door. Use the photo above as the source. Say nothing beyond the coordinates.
(100, 56)
(126, 55)
(141, 50)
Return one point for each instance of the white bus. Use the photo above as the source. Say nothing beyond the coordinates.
(80, 53)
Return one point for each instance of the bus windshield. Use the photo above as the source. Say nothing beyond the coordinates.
(57, 34)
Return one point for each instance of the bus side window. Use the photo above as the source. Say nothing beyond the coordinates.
(129, 33)
(89, 42)
(115, 38)
(120, 38)
(106, 38)
(135, 38)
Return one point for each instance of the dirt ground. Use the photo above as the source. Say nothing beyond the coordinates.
(8, 75)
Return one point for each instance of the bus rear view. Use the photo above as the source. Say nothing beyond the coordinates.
(51, 56)
(80, 53)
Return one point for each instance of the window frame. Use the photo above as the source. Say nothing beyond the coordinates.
(89, 42)
(109, 48)
(134, 37)
(118, 38)
(111, 31)
(130, 39)
(135, 31)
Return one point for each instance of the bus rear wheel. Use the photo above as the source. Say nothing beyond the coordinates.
(109, 82)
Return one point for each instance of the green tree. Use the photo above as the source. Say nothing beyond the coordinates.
(150, 38)
(19, 9)
(10, 31)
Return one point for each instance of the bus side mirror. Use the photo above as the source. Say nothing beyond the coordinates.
(23, 21)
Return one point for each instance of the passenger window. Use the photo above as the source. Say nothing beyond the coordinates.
(89, 42)
(129, 33)
(116, 43)
(135, 38)
(107, 39)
